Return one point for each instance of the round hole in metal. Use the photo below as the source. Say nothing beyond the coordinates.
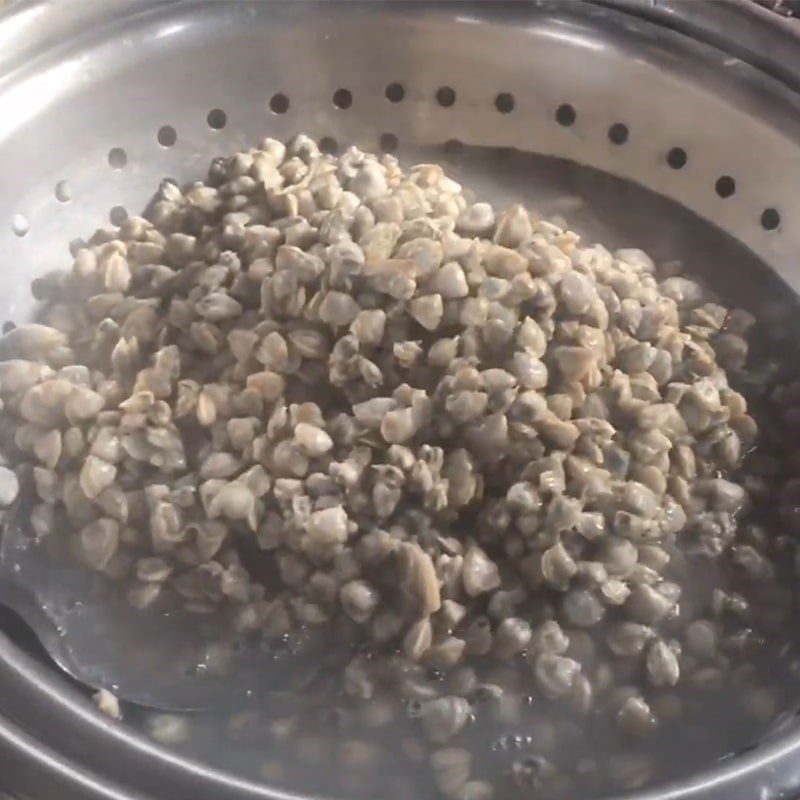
(770, 219)
(279, 103)
(217, 119)
(566, 115)
(388, 142)
(63, 192)
(453, 147)
(725, 186)
(677, 158)
(504, 102)
(343, 98)
(327, 144)
(117, 215)
(167, 136)
(395, 92)
(618, 133)
(446, 96)
(117, 158)
(20, 225)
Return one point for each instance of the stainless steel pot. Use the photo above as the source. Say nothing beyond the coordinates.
(697, 102)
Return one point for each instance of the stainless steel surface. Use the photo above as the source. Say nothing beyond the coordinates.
(116, 85)
(755, 35)
(86, 87)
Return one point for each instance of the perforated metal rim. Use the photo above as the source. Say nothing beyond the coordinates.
(55, 125)
(699, 157)
(565, 115)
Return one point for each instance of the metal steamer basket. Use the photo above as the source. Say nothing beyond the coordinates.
(693, 108)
